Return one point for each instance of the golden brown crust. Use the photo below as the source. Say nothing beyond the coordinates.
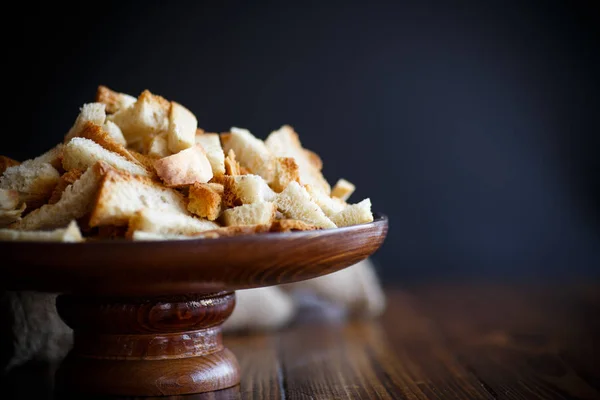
(286, 172)
(65, 180)
(225, 137)
(232, 167)
(7, 162)
(289, 225)
(205, 200)
(96, 134)
(110, 98)
(230, 198)
(163, 103)
(146, 161)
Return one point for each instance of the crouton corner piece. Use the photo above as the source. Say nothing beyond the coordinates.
(69, 234)
(182, 128)
(81, 153)
(147, 116)
(205, 200)
(184, 168)
(94, 113)
(354, 214)
(114, 101)
(121, 195)
(295, 203)
(343, 189)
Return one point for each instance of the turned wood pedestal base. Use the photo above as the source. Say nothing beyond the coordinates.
(147, 346)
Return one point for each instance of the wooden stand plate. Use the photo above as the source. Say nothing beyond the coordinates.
(146, 315)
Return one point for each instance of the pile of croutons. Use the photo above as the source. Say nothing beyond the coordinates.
(142, 169)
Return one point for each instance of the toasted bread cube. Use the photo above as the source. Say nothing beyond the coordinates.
(147, 116)
(114, 101)
(262, 213)
(114, 132)
(205, 200)
(354, 214)
(343, 189)
(69, 234)
(286, 171)
(330, 205)
(232, 167)
(295, 203)
(182, 128)
(251, 153)
(211, 143)
(91, 112)
(121, 195)
(81, 153)
(246, 189)
(159, 146)
(184, 168)
(285, 143)
(167, 222)
(75, 202)
(100, 136)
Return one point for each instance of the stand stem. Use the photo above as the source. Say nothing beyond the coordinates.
(147, 346)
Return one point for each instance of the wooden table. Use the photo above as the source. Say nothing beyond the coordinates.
(434, 342)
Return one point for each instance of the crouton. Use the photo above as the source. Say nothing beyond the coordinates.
(205, 200)
(211, 144)
(76, 201)
(262, 213)
(167, 222)
(354, 214)
(121, 195)
(251, 153)
(148, 115)
(184, 168)
(246, 189)
(182, 128)
(114, 101)
(94, 113)
(69, 234)
(295, 203)
(342, 189)
(285, 143)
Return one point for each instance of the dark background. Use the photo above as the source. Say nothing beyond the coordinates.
(474, 126)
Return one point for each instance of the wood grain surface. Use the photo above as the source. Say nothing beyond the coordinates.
(468, 341)
(186, 266)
